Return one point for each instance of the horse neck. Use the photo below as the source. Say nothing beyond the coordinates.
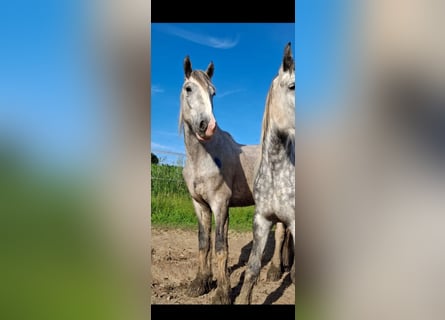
(196, 149)
(278, 147)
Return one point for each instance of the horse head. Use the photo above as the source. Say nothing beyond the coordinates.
(197, 101)
(281, 96)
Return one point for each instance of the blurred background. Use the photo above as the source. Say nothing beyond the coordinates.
(74, 159)
(75, 172)
(370, 160)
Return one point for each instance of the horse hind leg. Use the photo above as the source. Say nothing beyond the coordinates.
(291, 231)
(287, 252)
(261, 228)
(275, 268)
(223, 290)
(203, 281)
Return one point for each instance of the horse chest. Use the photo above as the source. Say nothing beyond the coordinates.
(203, 180)
(274, 189)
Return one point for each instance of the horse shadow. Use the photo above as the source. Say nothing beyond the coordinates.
(245, 253)
(275, 295)
(267, 257)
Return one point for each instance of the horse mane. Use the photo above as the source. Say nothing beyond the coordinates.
(290, 140)
(180, 122)
(265, 123)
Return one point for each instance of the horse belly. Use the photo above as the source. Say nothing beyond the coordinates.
(240, 202)
(241, 195)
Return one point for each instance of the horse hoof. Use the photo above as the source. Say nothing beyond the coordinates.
(198, 287)
(221, 297)
(274, 273)
(287, 268)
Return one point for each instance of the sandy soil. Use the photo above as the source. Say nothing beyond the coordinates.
(174, 256)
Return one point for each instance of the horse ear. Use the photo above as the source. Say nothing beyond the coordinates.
(187, 67)
(210, 69)
(288, 61)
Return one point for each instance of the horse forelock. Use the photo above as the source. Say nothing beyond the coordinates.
(202, 78)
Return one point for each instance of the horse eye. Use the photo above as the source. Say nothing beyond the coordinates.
(292, 86)
(188, 89)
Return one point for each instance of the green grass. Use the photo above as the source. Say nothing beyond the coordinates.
(57, 259)
(167, 180)
(171, 204)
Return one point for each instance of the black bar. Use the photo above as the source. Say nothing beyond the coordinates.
(232, 312)
(222, 11)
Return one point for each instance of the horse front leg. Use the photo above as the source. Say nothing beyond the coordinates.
(261, 228)
(223, 290)
(275, 271)
(202, 283)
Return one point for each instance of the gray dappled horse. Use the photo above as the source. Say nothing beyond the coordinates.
(274, 184)
(219, 174)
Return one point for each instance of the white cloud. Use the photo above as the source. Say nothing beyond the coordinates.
(156, 89)
(202, 39)
(228, 93)
(155, 145)
(166, 148)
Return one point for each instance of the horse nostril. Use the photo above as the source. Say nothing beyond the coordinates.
(202, 126)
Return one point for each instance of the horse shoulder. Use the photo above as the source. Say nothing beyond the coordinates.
(204, 178)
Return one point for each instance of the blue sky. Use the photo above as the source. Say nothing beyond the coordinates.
(50, 96)
(48, 85)
(246, 57)
(322, 43)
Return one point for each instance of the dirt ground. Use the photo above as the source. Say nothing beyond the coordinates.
(174, 263)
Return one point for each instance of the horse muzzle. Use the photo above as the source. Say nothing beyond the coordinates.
(206, 130)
